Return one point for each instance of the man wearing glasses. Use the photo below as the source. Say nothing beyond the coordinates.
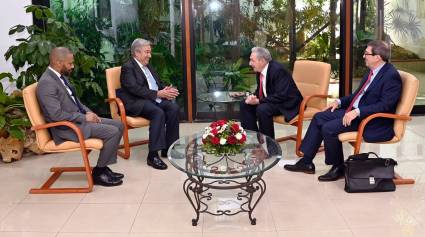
(379, 91)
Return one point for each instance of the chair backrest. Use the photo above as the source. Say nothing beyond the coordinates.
(407, 101)
(35, 115)
(113, 82)
(312, 78)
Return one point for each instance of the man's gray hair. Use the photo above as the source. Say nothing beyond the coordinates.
(138, 44)
(263, 53)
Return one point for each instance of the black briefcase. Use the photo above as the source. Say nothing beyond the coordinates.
(364, 174)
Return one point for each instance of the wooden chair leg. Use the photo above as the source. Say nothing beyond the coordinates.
(398, 180)
(57, 171)
(127, 144)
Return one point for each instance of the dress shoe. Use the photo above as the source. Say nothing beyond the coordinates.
(104, 179)
(301, 166)
(156, 163)
(114, 174)
(335, 173)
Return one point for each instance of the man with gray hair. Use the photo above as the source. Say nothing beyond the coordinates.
(276, 94)
(144, 95)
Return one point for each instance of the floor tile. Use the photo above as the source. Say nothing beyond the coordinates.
(165, 217)
(316, 233)
(306, 215)
(27, 234)
(102, 218)
(37, 217)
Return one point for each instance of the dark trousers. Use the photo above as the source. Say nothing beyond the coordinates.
(263, 113)
(326, 126)
(164, 123)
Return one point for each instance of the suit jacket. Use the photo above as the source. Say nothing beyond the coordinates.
(134, 89)
(281, 90)
(57, 105)
(381, 96)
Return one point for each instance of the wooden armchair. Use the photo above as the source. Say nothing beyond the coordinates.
(401, 116)
(312, 79)
(118, 111)
(46, 144)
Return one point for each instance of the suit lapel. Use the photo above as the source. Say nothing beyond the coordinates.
(377, 78)
(61, 85)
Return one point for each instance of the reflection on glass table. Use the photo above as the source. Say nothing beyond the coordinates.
(241, 171)
(225, 97)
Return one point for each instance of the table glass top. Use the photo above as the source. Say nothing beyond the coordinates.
(258, 154)
(222, 96)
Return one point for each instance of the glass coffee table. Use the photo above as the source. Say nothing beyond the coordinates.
(228, 98)
(242, 172)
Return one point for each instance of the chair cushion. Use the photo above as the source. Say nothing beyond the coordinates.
(351, 137)
(91, 144)
(137, 122)
(309, 112)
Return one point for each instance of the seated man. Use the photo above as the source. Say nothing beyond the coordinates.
(144, 95)
(59, 102)
(276, 94)
(379, 91)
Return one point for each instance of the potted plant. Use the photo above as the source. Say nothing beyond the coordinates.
(13, 125)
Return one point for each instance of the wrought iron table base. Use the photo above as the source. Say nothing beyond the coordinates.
(196, 191)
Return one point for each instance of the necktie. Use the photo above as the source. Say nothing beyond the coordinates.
(359, 92)
(73, 94)
(152, 82)
(260, 93)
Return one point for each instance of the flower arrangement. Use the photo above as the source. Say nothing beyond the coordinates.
(223, 137)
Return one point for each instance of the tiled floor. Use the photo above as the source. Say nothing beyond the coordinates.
(151, 203)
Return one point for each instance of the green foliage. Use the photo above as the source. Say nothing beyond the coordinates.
(13, 118)
(34, 52)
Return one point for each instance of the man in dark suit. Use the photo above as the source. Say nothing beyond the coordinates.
(276, 94)
(59, 102)
(144, 95)
(379, 91)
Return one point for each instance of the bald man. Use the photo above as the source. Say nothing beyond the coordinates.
(58, 102)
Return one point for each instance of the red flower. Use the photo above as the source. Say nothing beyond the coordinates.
(231, 140)
(221, 122)
(215, 140)
(214, 131)
(235, 128)
(243, 139)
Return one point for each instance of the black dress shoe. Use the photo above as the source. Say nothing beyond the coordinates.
(335, 173)
(104, 179)
(114, 174)
(156, 163)
(301, 166)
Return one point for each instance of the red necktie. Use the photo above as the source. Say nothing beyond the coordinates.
(260, 93)
(359, 92)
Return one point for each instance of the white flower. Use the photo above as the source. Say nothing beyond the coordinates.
(223, 141)
(205, 135)
(238, 136)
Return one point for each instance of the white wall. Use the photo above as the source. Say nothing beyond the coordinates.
(12, 15)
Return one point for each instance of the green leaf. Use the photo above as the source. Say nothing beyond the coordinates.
(17, 133)
(6, 75)
(17, 28)
(2, 121)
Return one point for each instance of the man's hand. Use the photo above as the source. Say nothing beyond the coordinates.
(252, 100)
(333, 106)
(92, 117)
(348, 117)
(169, 93)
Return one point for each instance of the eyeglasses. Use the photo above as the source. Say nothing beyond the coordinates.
(366, 53)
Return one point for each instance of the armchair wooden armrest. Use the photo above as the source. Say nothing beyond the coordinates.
(303, 105)
(365, 121)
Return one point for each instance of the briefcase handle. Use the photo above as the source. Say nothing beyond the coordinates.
(365, 156)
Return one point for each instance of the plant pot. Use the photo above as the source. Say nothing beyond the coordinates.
(11, 149)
